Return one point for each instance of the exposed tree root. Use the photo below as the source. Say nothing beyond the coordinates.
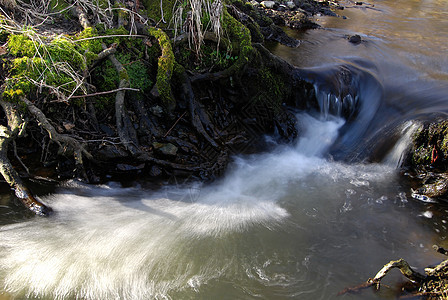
(66, 143)
(125, 129)
(401, 264)
(432, 285)
(198, 116)
(7, 134)
(404, 268)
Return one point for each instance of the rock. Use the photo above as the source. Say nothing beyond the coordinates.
(254, 3)
(167, 149)
(290, 5)
(355, 39)
(268, 4)
(328, 12)
(155, 92)
(107, 129)
(282, 7)
(275, 33)
(157, 110)
(155, 171)
(108, 152)
(127, 168)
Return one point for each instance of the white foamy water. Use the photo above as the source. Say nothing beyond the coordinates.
(250, 235)
(395, 157)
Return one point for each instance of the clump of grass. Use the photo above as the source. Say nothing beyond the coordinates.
(195, 17)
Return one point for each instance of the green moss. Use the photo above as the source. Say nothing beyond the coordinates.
(155, 12)
(64, 50)
(22, 45)
(89, 46)
(212, 58)
(58, 5)
(165, 67)
(240, 37)
(51, 63)
(106, 77)
(272, 85)
(431, 145)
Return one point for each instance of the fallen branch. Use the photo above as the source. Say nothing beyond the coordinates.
(404, 268)
(439, 268)
(12, 131)
(401, 264)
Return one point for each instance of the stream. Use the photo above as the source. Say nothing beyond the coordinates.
(302, 221)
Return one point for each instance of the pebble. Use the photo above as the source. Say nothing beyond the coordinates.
(268, 4)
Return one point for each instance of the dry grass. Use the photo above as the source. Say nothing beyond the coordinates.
(192, 24)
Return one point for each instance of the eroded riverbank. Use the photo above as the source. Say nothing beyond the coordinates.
(305, 219)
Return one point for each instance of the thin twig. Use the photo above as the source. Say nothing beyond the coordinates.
(107, 92)
(18, 158)
(109, 36)
(175, 123)
(161, 11)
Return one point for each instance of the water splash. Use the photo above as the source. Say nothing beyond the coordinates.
(109, 242)
(397, 155)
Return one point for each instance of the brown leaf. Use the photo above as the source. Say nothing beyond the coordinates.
(3, 50)
(68, 126)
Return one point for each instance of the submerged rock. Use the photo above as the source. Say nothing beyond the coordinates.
(355, 39)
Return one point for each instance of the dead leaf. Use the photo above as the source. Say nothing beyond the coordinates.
(68, 126)
(3, 50)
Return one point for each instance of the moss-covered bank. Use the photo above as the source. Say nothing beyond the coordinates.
(131, 88)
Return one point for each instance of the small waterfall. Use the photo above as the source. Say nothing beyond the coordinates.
(337, 89)
(398, 153)
(317, 135)
(341, 106)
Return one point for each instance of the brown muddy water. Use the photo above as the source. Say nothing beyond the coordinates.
(303, 221)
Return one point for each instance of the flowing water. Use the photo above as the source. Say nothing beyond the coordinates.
(303, 221)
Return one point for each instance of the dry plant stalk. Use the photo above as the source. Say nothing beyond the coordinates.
(196, 10)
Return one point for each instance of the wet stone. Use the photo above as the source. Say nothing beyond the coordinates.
(268, 4)
(355, 39)
(127, 168)
(254, 3)
(107, 129)
(156, 110)
(282, 7)
(167, 149)
(155, 171)
(111, 152)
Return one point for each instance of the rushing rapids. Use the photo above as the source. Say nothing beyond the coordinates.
(301, 221)
(114, 242)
